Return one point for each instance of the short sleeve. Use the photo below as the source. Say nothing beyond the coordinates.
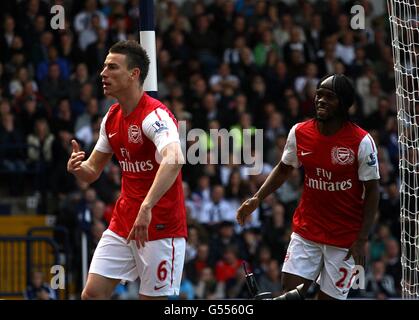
(160, 128)
(289, 156)
(367, 160)
(102, 143)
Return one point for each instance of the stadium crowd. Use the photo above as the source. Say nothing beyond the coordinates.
(242, 64)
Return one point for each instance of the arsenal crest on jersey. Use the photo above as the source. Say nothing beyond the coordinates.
(134, 134)
(342, 156)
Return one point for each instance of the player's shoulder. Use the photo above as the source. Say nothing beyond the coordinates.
(112, 113)
(113, 109)
(356, 131)
(151, 102)
(307, 125)
(155, 106)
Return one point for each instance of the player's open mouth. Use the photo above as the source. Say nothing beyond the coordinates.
(105, 84)
(321, 111)
(322, 108)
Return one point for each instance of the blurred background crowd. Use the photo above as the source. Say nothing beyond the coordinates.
(242, 64)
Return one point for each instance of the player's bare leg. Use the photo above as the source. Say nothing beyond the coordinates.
(323, 296)
(143, 297)
(291, 281)
(98, 287)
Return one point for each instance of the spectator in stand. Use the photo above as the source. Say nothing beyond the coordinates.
(40, 146)
(208, 287)
(85, 21)
(38, 289)
(12, 155)
(85, 119)
(223, 78)
(275, 232)
(266, 44)
(54, 87)
(270, 281)
(378, 243)
(192, 243)
(96, 51)
(6, 39)
(295, 43)
(194, 267)
(53, 58)
(205, 42)
(78, 79)
(378, 284)
(393, 263)
(226, 268)
(389, 205)
(19, 79)
(217, 210)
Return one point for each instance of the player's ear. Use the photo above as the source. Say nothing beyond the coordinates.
(135, 73)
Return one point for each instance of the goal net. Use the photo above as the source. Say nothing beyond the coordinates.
(404, 25)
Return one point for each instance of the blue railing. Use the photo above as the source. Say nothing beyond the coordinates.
(20, 256)
(63, 245)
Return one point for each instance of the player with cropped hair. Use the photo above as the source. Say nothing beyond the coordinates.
(340, 197)
(146, 235)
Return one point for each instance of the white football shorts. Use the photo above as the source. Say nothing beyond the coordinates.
(159, 264)
(312, 260)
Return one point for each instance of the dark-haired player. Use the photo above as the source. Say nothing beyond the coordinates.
(340, 196)
(146, 235)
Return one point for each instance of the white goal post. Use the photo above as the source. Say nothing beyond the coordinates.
(404, 25)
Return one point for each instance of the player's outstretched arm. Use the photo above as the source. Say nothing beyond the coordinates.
(166, 175)
(89, 170)
(275, 179)
(372, 196)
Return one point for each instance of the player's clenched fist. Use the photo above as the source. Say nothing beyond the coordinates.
(76, 158)
(246, 210)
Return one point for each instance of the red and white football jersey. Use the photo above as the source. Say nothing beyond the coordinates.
(136, 140)
(331, 207)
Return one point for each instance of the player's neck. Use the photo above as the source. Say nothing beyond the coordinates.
(331, 126)
(129, 102)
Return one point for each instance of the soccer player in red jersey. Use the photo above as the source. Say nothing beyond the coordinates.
(146, 235)
(340, 196)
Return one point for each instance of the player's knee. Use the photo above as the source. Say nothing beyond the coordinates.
(89, 294)
(85, 295)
